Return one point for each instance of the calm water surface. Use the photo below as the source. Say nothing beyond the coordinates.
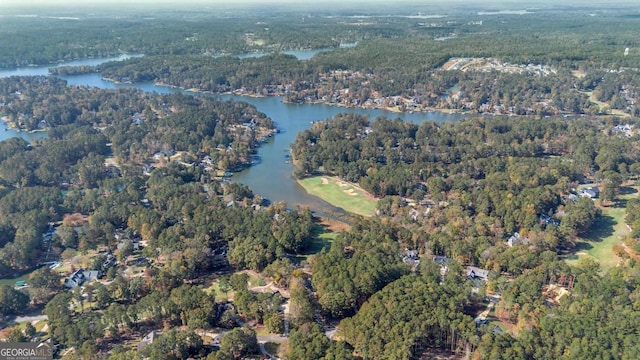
(271, 176)
(300, 54)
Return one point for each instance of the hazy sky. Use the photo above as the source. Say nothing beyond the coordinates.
(177, 3)
(163, 2)
(186, 4)
(309, 2)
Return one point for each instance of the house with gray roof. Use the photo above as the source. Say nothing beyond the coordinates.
(590, 192)
(475, 273)
(148, 339)
(79, 277)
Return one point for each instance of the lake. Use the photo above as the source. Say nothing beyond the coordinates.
(300, 54)
(270, 177)
(6, 133)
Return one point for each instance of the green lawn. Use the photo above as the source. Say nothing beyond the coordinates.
(262, 331)
(609, 231)
(40, 325)
(219, 294)
(340, 194)
(11, 280)
(255, 281)
(604, 105)
(322, 239)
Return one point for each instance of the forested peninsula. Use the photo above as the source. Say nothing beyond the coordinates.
(536, 68)
(510, 234)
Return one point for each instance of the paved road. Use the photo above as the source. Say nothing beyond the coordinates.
(271, 338)
(482, 317)
(20, 319)
(264, 352)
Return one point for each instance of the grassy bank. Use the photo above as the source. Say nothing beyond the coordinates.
(610, 231)
(340, 194)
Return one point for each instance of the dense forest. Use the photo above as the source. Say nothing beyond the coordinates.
(475, 180)
(46, 40)
(469, 254)
(100, 143)
(97, 182)
(462, 189)
(526, 70)
(539, 66)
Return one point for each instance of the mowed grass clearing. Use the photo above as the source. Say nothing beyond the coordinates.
(338, 193)
(610, 231)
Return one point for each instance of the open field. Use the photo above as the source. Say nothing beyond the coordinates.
(608, 232)
(323, 236)
(603, 105)
(12, 280)
(338, 193)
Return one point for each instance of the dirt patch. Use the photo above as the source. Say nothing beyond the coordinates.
(333, 225)
(449, 64)
(632, 254)
(553, 293)
(578, 73)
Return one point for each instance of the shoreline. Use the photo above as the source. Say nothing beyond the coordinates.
(240, 92)
(11, 125)
(392, 109)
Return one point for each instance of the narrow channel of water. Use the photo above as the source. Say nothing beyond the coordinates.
(271, 176)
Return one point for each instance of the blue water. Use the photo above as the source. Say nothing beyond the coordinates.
(300, 54)
(271, 177)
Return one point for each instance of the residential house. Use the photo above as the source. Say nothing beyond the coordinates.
(109, 261)
(624, 129)
(219, 257)
(517, 239)
(572, 198)
(590, 192)
(147, 169)
(442, 260)
(136, 244)
(148, 339)
(160, 155)
(548, 220)
(410, 257)
(475, 273)
(79, 277)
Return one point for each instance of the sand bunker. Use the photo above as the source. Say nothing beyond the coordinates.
(341, 184)
(324, 181)
(350, 192)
